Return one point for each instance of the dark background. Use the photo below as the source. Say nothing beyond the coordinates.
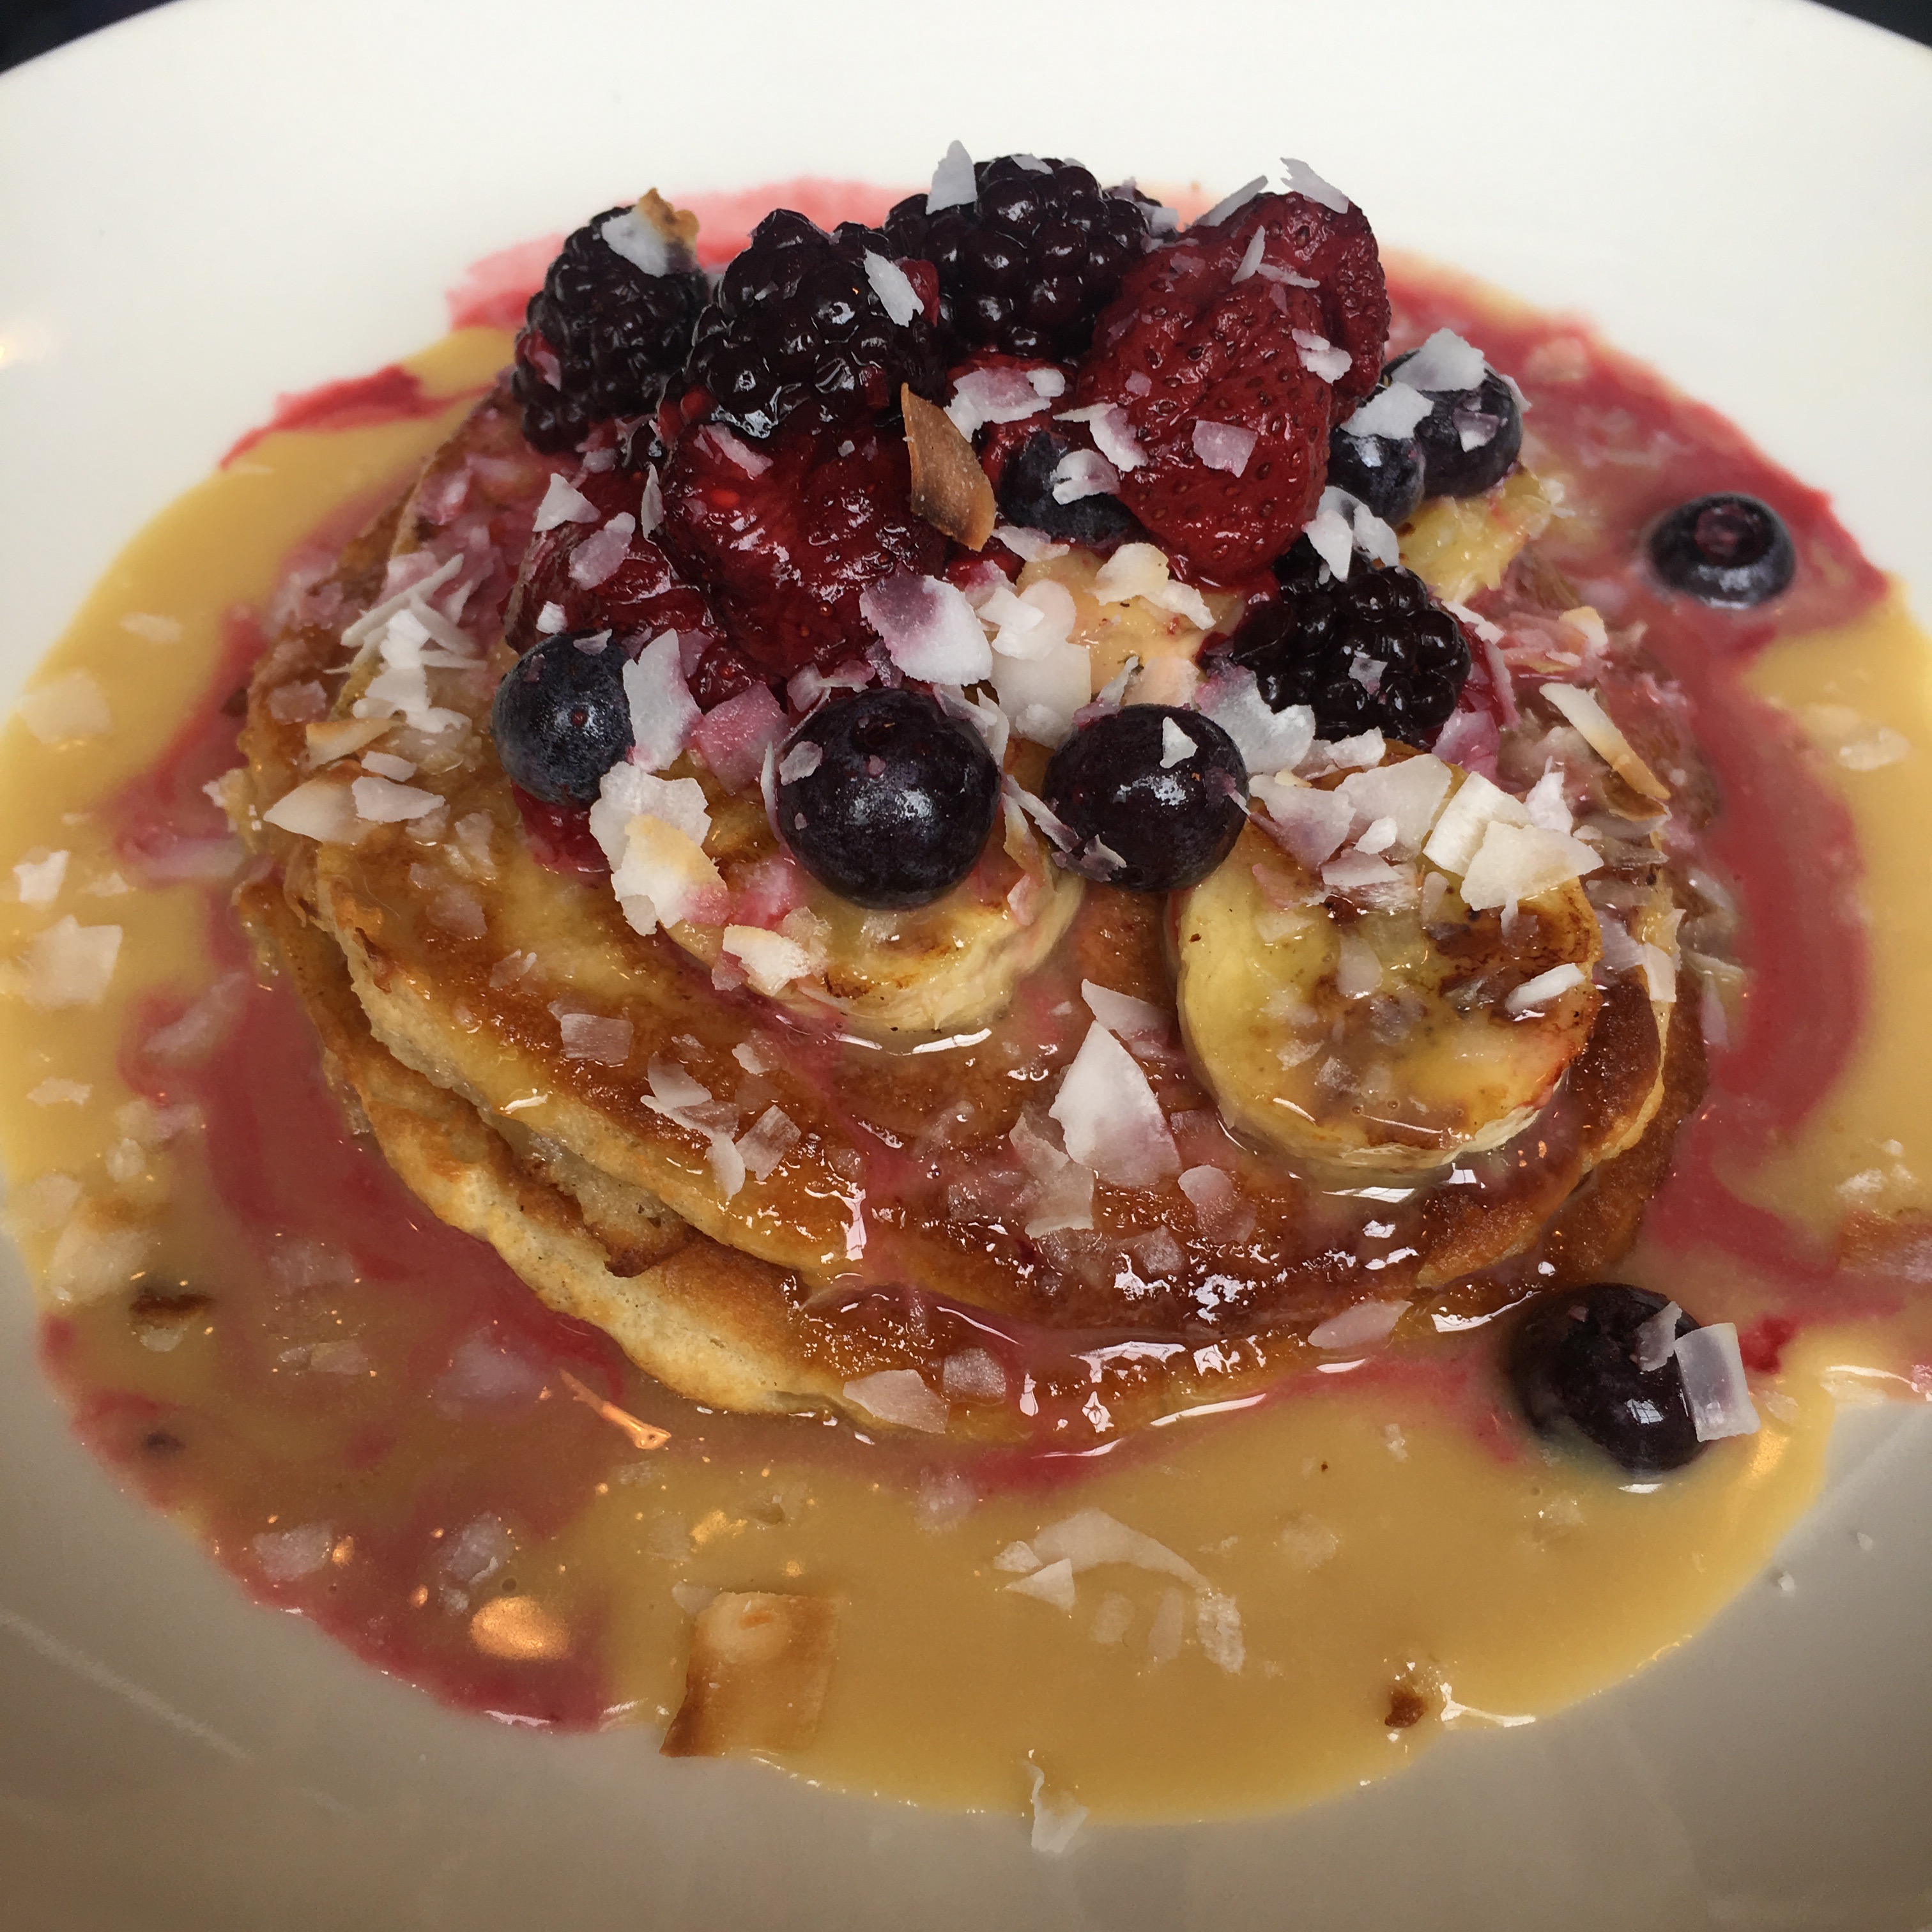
(30, 27)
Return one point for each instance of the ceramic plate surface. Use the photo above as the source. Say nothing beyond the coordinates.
(230, 199)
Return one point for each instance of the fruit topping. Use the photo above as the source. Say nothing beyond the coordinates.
(1153, 795)
(786, 535)
(1374, 650)
(829, 324)
(1728, 550)
(1028, 262)
(560, 716)
(1039, 490)
(884, 800)
(949, 488)
(1596, 1363)
(1212, 385)
(612, 321)
(1473, 431)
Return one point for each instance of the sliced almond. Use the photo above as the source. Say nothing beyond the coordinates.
(760, 1663)
(950, 489)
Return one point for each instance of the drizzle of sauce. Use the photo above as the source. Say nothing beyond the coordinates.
(390, 394)
(368, 1418)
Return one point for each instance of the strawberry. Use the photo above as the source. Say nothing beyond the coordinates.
(788, 532)
(1186, 343)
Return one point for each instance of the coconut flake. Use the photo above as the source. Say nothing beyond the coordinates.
(383, 801)
(735, 450)
(954, 183)
(1621, 952)
(893, 287)
(651, 245)
(1361, 1326)
(597, 558)
(1392, 412)
(1303, 180)
(1332, 540)
(39, 880)
(65, 709)
(1408, 793)
(71, 964)
(1226, 446)
(1052, 1583)
(771, 960)
(1122, 1013)
(1319, 356)
(1251, 256)
(999, 395)
(287, 1554)
(1445, 365)
(1230, 204)
(1217, 1629)
(1112, 1122)
(1538, 992)
(1112, 432)
(1056, 1816)
(929, 629)
(1269, 741)
(663, 711)
(1656, 1338)
(1520, 862)
(767, 1140)
(562, 504)
(151, 628)
(974, 1374)
(1080, 473)
(1306, 820)
(1090, 1537)
(899, 1395)
(1358, 969)
(590, 1037)
(1465, 821)
(1713, 1369)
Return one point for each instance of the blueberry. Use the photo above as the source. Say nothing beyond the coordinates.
(1383, 471)
(1727, 550)
(1572, 1363)
(1160, 788)
(896, 807)
(1025, 497)
(560, 717)
(1489, 412)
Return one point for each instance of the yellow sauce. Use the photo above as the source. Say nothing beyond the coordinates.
(1369, 1540)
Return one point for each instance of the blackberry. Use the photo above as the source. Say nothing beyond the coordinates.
(1027, 266)
(614, 332)
(1728, 550)
(797, 321)
(1026, 499)
(1375, 651)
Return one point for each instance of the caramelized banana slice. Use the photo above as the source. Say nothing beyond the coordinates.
(898, 977)
(1384, 1038)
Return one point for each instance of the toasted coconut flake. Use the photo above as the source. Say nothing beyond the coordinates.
(1583, 710)
(950, 489)
(756, 1680)
(653, 236)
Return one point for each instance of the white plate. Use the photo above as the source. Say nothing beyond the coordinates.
(229, 199)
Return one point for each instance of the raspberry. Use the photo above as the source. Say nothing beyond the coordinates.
(599, 337)
(787, 552)
(1376, 651)
(642, 597)
(797, 323)
(1028, 266)
(1186, 343)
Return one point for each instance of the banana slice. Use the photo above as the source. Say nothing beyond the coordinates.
(1378, 1038)
(898, 977)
